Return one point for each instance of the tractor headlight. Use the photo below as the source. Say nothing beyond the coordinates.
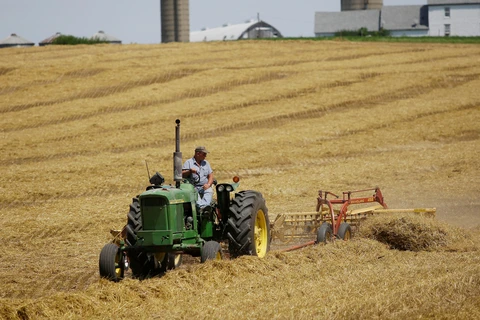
(229, 188)
(220, 188)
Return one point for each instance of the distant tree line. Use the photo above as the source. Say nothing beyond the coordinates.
(362, 32)
(71, 40)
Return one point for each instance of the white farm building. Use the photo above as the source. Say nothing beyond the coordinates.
(252, 29)
(454, 18)
(437, 18)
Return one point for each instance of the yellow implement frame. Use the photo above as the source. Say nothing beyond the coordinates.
(288, 227)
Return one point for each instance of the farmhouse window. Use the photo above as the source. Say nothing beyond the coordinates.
(447, 12)
(447, 30)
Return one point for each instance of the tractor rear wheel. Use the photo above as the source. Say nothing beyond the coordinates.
(143, 264)
(248, 229)
(134, 223)
(324, 233)
(211, 250)
(344, 231)
(112, 262)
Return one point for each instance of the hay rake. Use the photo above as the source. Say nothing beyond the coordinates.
(333, 218)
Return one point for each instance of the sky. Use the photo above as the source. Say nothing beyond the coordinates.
(139, 21)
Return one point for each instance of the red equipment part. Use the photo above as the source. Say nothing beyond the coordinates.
(345, 202)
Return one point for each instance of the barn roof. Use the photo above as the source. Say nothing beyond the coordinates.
(15, 41)
(331, 22)
(405, 17)
(229, 31)
(101, 35)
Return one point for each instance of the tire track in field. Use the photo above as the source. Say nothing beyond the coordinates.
(336, 58)
(101, 92)
(280, 97)
(190, 94)
(376, 54)
(276, 64)
(436, 59)
(369, 102)
(412, 62)
(347, 156)
(77, 74)
(35, 200)
(371, 66)
(47, 55)
(106, 190)
(60, 281)
(5, 70)
(237, 106)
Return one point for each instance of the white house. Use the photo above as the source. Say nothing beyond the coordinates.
(454, 18)
(438, 18)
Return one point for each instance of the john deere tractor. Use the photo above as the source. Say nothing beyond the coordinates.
(164, 223)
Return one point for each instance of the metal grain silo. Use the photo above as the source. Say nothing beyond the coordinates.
(347, 5)
(175, 15)
(15, 41)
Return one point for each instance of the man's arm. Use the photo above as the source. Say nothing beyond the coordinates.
(210, 181)
(188, 172)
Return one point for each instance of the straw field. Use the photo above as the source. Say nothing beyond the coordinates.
(78, 124)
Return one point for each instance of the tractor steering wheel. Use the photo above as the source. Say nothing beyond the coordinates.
(194, 178)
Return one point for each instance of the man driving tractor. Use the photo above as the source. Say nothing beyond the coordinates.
(198, 171)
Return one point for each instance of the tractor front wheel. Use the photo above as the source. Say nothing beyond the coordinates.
(248, 225)
(142, 263)
(112, 262)
(211, 250)
(174, 260)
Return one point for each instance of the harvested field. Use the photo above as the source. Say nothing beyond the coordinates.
(290, 118)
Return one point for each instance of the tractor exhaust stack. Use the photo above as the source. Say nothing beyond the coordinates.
(177, 157)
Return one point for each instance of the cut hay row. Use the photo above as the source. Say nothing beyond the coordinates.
(342, 268)
(290, 118)
(405, 93)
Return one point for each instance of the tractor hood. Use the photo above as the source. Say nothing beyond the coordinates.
(171, 194)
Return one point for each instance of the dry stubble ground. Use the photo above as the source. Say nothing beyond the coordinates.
(78, 124)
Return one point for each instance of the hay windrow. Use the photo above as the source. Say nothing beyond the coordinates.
(414, 232)
(282, 285)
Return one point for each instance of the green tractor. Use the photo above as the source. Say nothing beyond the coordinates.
(164, 223)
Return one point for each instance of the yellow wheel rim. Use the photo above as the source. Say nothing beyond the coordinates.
(118, 266)
(160, 256)
(261, 234)
(328, 236)
(348, 235)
